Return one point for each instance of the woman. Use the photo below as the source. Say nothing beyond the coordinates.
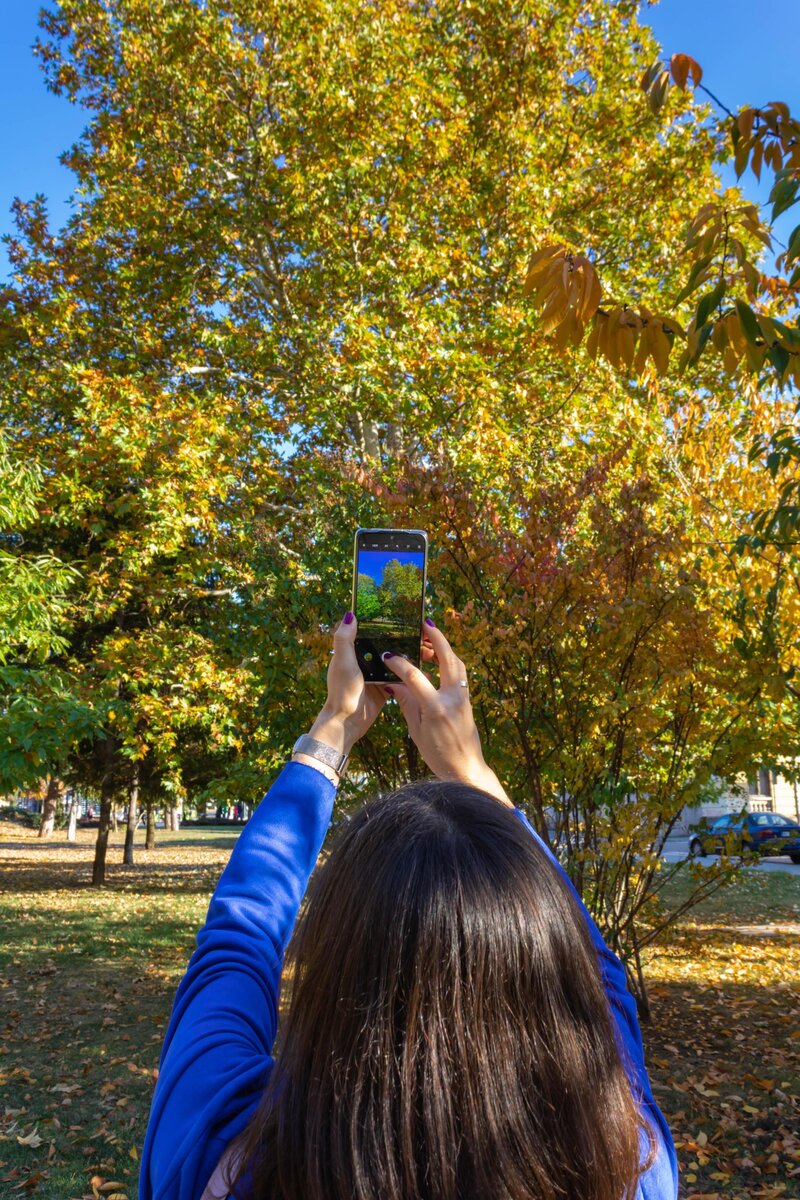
(457, 1028)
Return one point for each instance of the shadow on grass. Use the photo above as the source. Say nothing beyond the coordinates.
(148, 879)
(51, 936)
(218, 839)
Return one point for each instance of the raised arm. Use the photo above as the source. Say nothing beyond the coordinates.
(216, 1055)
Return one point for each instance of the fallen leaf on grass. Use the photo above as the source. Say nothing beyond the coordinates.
(32, 1139)
(32, 1182)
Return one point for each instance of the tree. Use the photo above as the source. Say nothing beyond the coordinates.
(604, 670)
(368, 603)
(33, 587)
(294, 277)
(748, 314)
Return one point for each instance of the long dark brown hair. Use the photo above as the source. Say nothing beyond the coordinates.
(448, 1036)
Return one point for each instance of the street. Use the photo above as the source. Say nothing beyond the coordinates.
(677, 848)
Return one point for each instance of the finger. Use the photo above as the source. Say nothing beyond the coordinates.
(344, 634)
(344, 637)
(451, 668)
(417, 684)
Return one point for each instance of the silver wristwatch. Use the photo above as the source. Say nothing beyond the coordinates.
(306, 744)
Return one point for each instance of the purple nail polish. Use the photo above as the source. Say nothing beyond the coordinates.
(348, 618)
(428, 621)
(387, 654)
(389, 691)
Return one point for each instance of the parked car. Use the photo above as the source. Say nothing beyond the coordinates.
(759, 832)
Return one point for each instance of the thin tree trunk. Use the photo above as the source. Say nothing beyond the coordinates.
(72, 818)
(639, 988)
(49, 807)
(133, 816)
(106, 802)
(150, 839)
(114, 817)
(174, 817)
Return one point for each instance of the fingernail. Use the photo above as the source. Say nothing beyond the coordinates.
(348, 618)
(389, 691)
(428, 621)
(387, 654)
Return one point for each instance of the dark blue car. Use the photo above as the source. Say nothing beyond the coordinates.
(759, 832)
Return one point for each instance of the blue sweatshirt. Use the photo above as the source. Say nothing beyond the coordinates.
(216, 1057)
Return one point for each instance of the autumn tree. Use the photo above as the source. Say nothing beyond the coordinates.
(295, 276)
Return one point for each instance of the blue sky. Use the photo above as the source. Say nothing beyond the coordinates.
(748, 53)
(372, 562)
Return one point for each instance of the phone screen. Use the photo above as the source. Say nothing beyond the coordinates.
(389, 593)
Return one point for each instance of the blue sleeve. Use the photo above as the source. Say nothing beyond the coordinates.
(660, 1182)
(216, 1056)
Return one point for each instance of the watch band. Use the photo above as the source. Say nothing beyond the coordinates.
(306, 744)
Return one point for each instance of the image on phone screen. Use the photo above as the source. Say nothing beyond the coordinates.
(389, 590)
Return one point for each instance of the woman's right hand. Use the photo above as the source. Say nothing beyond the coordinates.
(440, 722)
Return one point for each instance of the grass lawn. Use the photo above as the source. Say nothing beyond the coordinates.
(87, 979)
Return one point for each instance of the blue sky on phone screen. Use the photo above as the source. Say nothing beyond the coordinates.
(372, 562)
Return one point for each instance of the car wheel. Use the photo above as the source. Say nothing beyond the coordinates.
(696, 848)
(795, 857)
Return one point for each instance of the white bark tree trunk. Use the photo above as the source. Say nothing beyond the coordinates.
(72, 818)
(49, 807)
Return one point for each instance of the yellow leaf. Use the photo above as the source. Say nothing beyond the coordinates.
(589, 289)
(32, 1139)
(758, 155)
(745, 121)
(539, 266)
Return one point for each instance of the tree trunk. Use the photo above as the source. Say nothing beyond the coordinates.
(150, 839)
(106, 801)
(49, 807)
(174, 817)
(114, 817)
(638, 987)
(133, 817)
(72, 818)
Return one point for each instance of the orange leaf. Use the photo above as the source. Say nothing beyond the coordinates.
(682, 66)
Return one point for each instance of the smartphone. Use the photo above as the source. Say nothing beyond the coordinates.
(390, 568)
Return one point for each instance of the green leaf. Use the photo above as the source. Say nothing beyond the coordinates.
(703, 335)
(793, 245)
(748, 322)
(788, 198)
(708, 303)
(780, 360)
(694, 274)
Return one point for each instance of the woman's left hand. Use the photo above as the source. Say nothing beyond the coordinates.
(352, 705)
